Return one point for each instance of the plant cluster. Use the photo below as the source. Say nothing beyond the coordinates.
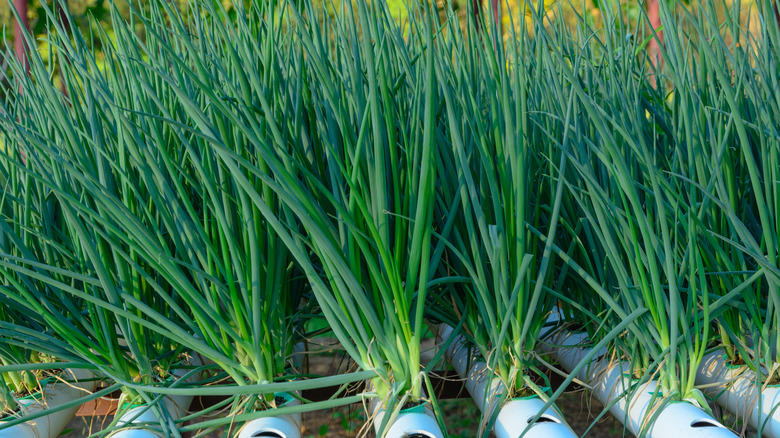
(208, 189)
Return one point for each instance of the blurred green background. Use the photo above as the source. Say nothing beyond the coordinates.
(569, 10)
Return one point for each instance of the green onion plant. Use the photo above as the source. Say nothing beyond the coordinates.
(496, 170)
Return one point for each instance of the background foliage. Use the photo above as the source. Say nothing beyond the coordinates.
(590, 9)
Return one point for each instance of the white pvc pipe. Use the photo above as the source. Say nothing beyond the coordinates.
(738, 392)
(129, 424)
(282, 426)
(410, 423)
(633, 408)
(54, 395)
(406, 424)
(515, 416)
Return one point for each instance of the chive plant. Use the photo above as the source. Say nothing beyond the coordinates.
(214, 179)
(30, 225)
(366, 210)
(662, 182)
(229, 266)
(716, 123)
(19, 198)
(495, 169)
(86, 282)
(632, 214)
(742, 180)
(177, 243)
(371, 225)
(757, 226)
(623, 187)
(31, 228)
(712, 171)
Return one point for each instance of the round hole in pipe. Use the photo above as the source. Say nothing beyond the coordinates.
(544, 419)
(420, 434)
(696, 424)
(267, 434)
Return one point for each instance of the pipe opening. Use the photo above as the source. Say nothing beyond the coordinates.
(267, 434)
(696, 424)
(420, 434)
(545, 419)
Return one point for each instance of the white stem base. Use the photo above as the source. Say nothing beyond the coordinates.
(55, 395)
(176, 406)
(739, 394)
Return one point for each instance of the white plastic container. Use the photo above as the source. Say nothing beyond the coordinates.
(515, 416)
(413, 423)
(417, 422)
(276, 427)
(282, 426)
(737, 392)
(54, 395)
(129, 424)
(610, 381)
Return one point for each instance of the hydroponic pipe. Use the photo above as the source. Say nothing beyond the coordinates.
(736, 390)
(515, 416)
(54, 395)
(418, 422)
(282, 426)
(129, 424)
(633, 408)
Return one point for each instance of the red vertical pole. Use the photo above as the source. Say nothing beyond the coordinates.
(777, 12)
(654, 14)
(477, 6)
(62, 16)
(19, 49)
(479, 20)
